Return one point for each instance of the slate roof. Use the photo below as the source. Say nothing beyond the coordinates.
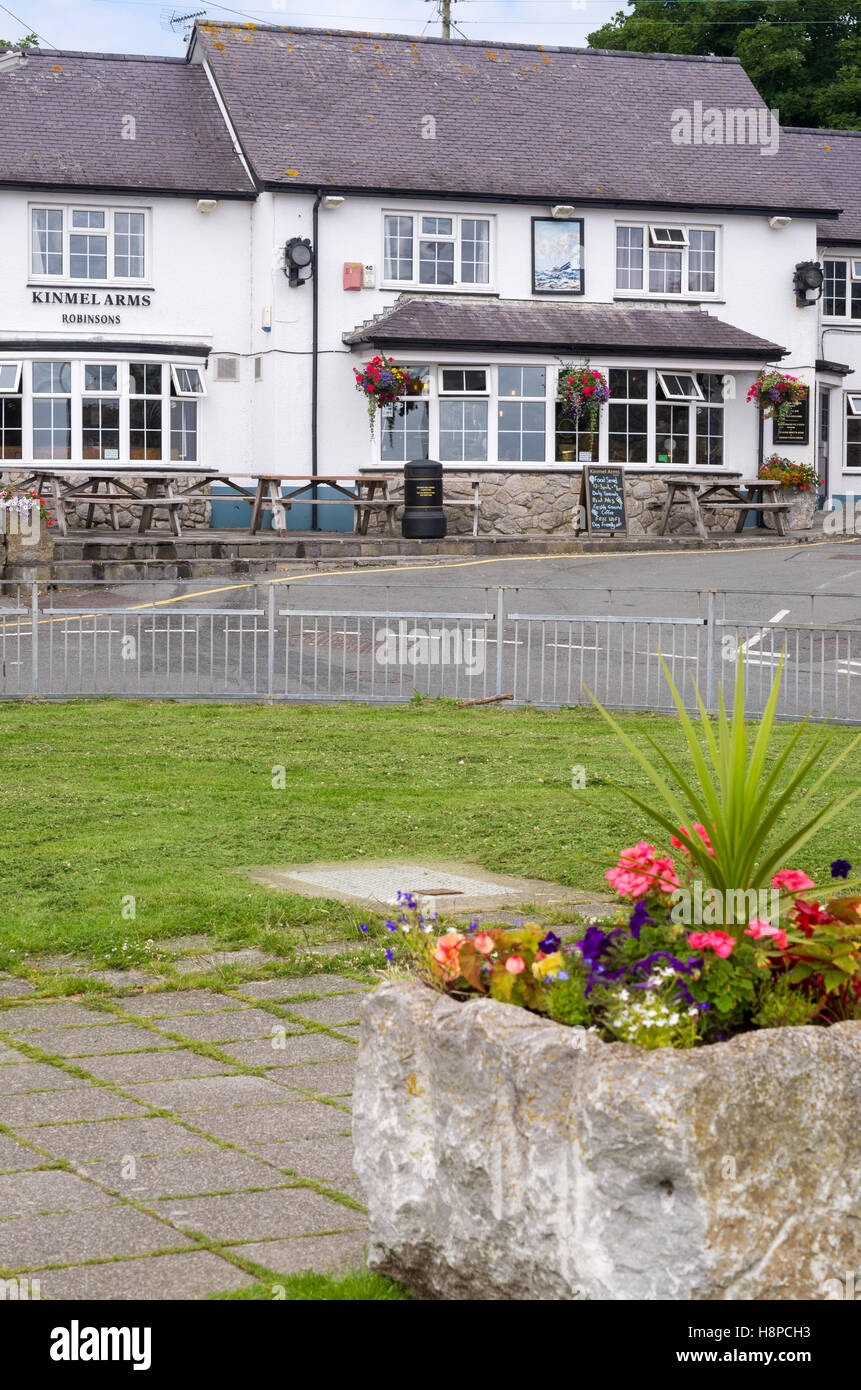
(422, 321)
(61, 124)
(345, 110)
(835, 156)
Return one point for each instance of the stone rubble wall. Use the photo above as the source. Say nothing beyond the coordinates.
(521, 504)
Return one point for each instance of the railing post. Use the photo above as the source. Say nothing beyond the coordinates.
(270, 645)
(711, 637)
(500, 629)
(34, 638)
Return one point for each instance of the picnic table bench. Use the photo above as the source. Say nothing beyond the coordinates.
(697, 490)
(162, 492)
(269, 497)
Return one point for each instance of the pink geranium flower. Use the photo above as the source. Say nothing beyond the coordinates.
(718, 941)
(760, 930)
(640, 870)
(793, 880)
(701, 831)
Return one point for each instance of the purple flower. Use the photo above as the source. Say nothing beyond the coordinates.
(840, 868)
(593, 943)
(638, 919)
(550, 944)
(390, 955)
(363, 926)
(392, 926)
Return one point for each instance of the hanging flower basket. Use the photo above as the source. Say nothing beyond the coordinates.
(776, 393)
(382, 383)
(581, 392)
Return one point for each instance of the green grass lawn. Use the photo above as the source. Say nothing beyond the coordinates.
(164, 803)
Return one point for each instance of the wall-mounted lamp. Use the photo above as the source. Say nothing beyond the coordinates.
(562, 211)
(332, 201)
(298, 261)
(778, 223)
(207, 204)
(807, 283)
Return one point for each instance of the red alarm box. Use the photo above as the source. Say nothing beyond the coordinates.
(353, 273)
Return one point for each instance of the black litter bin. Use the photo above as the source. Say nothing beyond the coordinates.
(424, 518)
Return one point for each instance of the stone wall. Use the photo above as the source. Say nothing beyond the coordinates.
(195, 515)
(546, 504)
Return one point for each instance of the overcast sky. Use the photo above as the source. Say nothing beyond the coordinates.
(142, 26)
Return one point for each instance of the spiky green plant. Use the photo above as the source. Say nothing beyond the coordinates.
(738, 800)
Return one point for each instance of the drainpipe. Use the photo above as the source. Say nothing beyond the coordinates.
(315, 342)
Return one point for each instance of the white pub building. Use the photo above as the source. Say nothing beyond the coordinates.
(197, 252)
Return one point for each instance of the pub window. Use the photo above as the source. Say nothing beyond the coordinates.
(463, 423)
(145, 411)
(628, 416)
(52, 410)
(10, 410)
(187, 381)
(841, 292)
(435, 249)
(522, 414)
(183, 416)
(406, 423)
(88, 243)
(853, 432)
(679, 386)
(661, 260)
(709, 421)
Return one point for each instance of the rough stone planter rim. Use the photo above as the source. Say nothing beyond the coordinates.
(505, 1156)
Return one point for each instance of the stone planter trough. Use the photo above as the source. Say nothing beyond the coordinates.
(802, 508)
(504, 1156)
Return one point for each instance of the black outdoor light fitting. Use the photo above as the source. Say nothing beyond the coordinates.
(807, 282)
(298, 261)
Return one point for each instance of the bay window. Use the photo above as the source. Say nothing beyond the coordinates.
(98, 244)
(628, 416)
(463, 414)
(666, 260)
(405, 424)
(435, 249)
(522, 414)
(689, 412)
(97, 412)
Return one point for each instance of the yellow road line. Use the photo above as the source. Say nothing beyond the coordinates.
(405, 569)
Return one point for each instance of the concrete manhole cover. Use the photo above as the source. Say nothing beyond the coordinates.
(443, 887)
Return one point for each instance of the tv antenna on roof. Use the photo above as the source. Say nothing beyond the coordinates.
(172, 19)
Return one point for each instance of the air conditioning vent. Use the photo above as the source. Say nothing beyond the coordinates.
(227, 369)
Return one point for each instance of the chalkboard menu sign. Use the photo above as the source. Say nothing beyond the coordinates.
(795, 428)
(603, 491)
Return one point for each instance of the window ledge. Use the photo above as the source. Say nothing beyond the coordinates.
(668, 298)
(106, 285)
(441, 289)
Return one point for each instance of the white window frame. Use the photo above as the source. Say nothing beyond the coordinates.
(16, 389)
(649, 244)
(853, 403)
(849, 263)
(851, 410)
(464, 391)
(111, 279)
(186, 395)
(672, 242)
(695, 395)
(457, 219)
(101, 390)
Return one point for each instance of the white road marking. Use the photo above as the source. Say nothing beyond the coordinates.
(753, 641)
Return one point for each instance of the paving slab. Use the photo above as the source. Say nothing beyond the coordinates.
(248, 1126)
(29, 1242)
(298, 1047)
(85, 1042)
(16, 1157)
(183, 1175)
(113, 1139)
(308, 984)
(208, 1092)
(255, 1215)
(59, 1015)
(174, 1062)
(163, 1005)
(237, 1024)
(321, 1254)
(60, 1107)
(10, 986)
(26, 1194)
(325, 1078)
(216, 960)
(35, 1076)
(191, 1275)
(338, 1009)
(122, 979)
(320, 1160)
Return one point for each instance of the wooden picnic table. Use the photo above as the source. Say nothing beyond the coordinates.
(162, 491)
(269, 497)
(743, 495)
